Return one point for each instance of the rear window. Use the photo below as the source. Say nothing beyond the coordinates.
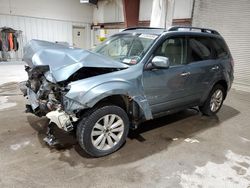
(204, 48)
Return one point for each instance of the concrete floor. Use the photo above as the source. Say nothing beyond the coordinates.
(180, 150)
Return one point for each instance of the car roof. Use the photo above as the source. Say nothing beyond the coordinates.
(145, 30)
(176, 29)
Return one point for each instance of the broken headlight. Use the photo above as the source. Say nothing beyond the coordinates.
(71, 105)
(49, 77)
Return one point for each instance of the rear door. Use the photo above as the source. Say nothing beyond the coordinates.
(203, 66)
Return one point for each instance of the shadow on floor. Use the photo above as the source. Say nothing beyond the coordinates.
(150, 138)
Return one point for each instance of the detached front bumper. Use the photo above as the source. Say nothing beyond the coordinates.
(33, 104)
(62, 119)
(39, 108)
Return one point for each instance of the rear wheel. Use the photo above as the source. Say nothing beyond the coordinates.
(214, 101)
(103, 131)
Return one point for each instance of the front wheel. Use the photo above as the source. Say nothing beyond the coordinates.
(214, 101)
(103, 131)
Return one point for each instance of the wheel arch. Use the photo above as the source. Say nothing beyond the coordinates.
(221, 82)
(117, 99)
(224, 84)
(134, 108)
(118, 92)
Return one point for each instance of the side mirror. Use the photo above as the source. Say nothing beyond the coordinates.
(160, 62)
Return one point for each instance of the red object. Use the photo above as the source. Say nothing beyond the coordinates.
(133, 61)
(131, 12)
(10, 39)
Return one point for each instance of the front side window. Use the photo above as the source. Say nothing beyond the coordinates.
(173, 49)
(126, 48)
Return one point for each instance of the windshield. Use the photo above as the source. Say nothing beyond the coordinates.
(126, 48)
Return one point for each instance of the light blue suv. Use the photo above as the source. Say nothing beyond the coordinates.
(136, 75)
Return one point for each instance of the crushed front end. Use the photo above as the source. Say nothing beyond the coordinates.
(45, 98)
(42, 95)
(51, 68)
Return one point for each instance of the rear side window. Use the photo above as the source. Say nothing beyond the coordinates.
(200, 49)
(205, 48)
(220, 48)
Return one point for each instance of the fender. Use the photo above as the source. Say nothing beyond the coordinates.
(225, 78)
(117, 87)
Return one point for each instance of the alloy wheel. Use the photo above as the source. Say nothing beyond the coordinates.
(107, 132)
(216, 100)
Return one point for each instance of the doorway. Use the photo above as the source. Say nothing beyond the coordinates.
(79, 37)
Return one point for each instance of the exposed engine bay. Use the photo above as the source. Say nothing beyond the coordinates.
(43, 95)
(48, 95)
(46, 98)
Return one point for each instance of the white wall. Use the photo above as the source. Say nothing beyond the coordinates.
(69, 10)
(112, 10)
(108, 11)
(43, 29)
(145, 10)
(183, 9)
(50, 20)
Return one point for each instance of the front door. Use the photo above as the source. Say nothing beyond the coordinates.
(165, 89)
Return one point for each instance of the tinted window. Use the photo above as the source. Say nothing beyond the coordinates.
(173, 49)
(200, 49)
(220, 48)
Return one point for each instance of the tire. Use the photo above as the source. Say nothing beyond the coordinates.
(210, 109)
(97, 126)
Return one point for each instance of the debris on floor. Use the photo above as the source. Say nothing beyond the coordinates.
(20, 145)
(244, 139)
(190, 140)
(4, 104)
(234, 172)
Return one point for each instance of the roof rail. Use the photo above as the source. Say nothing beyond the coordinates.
(204, 30)
(133, 28)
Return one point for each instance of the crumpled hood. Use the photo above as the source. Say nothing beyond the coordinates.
(64, 61)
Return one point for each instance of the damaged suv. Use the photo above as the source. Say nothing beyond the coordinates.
(136, 75)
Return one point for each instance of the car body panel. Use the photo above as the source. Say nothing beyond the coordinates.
(165, 88)
(124, 82)
(202, 75)
(63, 61)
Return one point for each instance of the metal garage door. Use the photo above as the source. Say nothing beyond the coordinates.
(232, 19)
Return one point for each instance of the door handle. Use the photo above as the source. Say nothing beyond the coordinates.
(185, 73)
(215, 67)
